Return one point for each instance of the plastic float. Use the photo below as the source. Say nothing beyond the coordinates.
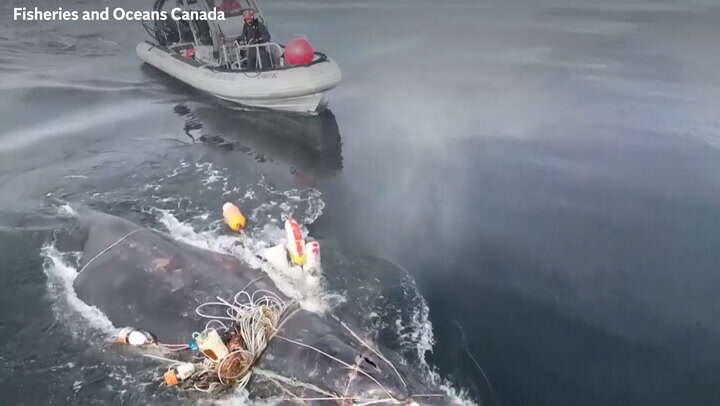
(295, 242)
(233, 217)
(178, 374)
(295, 253)
(211, 345)
(135, 337)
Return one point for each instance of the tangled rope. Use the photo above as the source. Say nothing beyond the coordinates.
(245, 324)
(253, 316)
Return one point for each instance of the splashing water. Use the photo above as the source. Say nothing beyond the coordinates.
(60, 277)
(248, 248)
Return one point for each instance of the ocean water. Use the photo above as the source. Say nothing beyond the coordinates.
(547, 171)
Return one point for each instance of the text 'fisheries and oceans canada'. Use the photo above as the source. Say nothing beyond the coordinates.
(117, 14)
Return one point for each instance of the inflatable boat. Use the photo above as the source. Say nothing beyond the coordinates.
(213, 56)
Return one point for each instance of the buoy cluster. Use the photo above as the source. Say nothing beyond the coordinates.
(296, 252)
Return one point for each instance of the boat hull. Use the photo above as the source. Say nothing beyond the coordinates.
(298, 89)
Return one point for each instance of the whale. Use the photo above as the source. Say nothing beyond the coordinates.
(145, 279)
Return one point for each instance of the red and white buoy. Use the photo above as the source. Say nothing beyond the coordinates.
(295, 253)
(295, 242)
(312, 256)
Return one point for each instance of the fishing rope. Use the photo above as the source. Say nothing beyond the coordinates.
(373, 350)
(356, 368)
(108, 248)
(256, 318)
(283, 388)
(159, 358)
(252, 319)
(466, 347)
(277, 379)
(292, 382)
(319, 351)
(351, 377)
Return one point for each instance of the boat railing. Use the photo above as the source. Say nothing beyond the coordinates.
(234, 55)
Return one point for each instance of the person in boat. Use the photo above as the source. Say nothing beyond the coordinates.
(255, 32)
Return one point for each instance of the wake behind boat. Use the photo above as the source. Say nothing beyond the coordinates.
(234, 59)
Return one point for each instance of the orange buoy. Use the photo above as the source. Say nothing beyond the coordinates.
(233, 217)
(171, 378)
(178, 374)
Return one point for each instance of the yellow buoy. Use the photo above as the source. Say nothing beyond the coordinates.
(233, 218)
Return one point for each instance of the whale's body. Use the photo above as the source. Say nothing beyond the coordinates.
(145, 279)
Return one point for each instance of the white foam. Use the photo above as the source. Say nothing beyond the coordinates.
(67, 305)
(212, 176)
(420, 331)
(241, 398)
(66, 211)
(456, 397)
(265, 230)
(248, 247)
(418, 334)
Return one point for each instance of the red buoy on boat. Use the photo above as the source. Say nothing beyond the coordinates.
(299, 52)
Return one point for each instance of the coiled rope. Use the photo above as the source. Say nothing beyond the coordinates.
(250, 321)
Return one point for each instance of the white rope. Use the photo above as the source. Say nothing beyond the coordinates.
(255, 318)
(108, 248)
(358, 369)
(373, 350)
(163, 359)
(293, 382)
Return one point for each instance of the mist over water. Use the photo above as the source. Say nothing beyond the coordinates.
(548, 171)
